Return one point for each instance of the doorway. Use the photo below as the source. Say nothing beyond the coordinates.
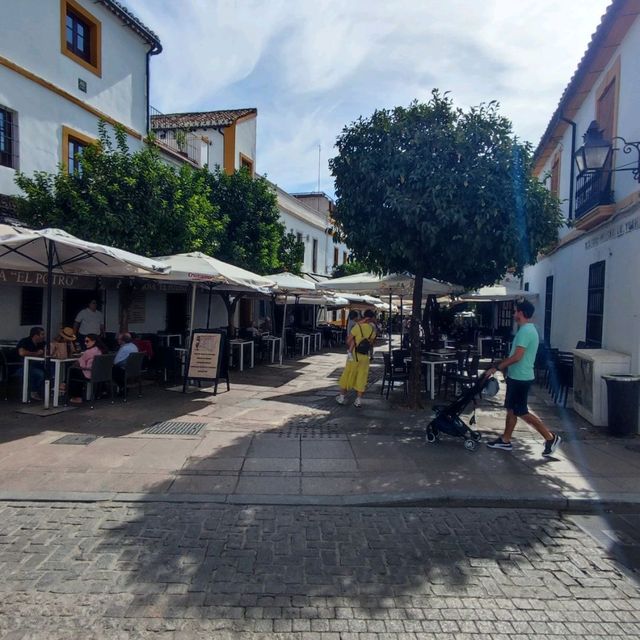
(177, 312)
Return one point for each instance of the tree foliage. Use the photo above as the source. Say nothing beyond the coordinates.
(349, 268)
(447, 192)
(253, 238)
(291, 254)
(442, 193)
(133, 201)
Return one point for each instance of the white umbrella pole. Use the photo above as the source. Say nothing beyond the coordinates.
(194, 288)
(284, 319)
(47, 350)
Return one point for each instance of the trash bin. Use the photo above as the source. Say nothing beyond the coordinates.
(623, 403)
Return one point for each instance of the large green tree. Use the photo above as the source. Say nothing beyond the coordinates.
(442, 193)
(253, 237)
(131, 200)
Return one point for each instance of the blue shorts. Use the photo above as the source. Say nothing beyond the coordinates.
(516, 396)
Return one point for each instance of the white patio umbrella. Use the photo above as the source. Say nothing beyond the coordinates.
(400, 284)
(199, 268)
(290, 284)
(58, 252)
(496, 293)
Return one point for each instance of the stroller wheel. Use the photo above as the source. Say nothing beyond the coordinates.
(431, 437)
(470, 445)
(476, 436)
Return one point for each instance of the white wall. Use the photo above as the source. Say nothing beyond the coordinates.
(246, 141)
(41, 113)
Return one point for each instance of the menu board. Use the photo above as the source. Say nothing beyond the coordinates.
(206, 358)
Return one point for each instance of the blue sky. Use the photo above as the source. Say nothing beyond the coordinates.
(313, 66)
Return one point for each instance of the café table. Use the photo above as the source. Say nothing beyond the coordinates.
(57, 369)
(166, 338)
(305, 338)
(242, 344)
(273, 340)
(430, 363)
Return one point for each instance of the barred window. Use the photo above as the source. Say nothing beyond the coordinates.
(8, 138)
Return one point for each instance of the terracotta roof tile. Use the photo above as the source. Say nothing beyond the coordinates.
(199, 119)
(133, 23)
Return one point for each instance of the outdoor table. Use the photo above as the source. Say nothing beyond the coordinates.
(306, 342)
(273, 340)
(182, 354)
(57, 362)
(317, 340)
(431, 364)
(241, 344)
(167, 337)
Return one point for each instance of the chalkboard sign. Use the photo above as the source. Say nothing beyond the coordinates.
(208, 358)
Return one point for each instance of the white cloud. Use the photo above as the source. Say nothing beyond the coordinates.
(313, 66)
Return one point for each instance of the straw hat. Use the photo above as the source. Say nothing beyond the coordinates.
(67, 334)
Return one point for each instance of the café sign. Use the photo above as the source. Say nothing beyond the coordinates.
(40, 279)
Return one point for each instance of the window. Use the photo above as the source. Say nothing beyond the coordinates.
(314, 257)
(246, 163)
(555, 177)
(336, 256)
(548, 306)
(81, 35)
(8, 138)
(345, 257)
(73, 143)
(595, 305)
(31, 304)
(299, 237)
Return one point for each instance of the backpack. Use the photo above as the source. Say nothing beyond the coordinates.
(365, 345)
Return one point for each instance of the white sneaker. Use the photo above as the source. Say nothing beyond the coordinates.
(357, 403)
(341, 399)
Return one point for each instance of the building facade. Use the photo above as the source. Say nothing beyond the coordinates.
(587, 283)
(64, 66)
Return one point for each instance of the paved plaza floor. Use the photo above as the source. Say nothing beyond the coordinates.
(279, 437)
(276, 513)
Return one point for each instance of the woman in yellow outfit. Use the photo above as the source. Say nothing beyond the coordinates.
(356, 371)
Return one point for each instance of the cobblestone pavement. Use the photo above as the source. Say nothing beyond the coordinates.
(178, 570)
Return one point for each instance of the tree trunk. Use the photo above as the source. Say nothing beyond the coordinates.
(231, 309)
(125, 295)
(416, 368)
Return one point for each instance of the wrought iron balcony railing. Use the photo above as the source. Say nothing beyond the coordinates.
(593, 188)
(177, 140)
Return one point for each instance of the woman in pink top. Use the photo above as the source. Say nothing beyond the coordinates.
(81, 371)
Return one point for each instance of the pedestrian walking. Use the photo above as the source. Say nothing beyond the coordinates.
(360, 348)
(518, 369)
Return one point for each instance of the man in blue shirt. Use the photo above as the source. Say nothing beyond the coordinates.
(518, 368)
(120, 359)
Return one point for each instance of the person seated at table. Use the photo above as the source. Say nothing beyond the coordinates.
(144, 345)
(33, 346)
(126, 348)
(80, 372)
(251, 330)
(64, 344)
(266, 325)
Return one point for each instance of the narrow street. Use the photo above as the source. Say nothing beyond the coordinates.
(176, 570)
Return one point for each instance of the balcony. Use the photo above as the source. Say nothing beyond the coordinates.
(177, 141)
(593, 191)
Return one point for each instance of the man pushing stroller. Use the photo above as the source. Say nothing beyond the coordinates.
(519, 373)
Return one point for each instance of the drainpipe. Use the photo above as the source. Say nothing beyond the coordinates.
(154, 51)
(573, 168)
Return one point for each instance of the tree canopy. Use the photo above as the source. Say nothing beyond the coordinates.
(132, 201)
(430, 188)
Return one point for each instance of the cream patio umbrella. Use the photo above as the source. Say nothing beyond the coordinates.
(198, 268)
(290, 284)
(54, 251)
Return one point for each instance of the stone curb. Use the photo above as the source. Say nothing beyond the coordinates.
(565, 503)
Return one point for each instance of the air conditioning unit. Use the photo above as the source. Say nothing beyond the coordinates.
(589, 389)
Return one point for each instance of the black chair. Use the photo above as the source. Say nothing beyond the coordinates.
(133, 373)
(393, 374)
(10, 363)
(455, 372)
(101, 373)
(169, 364)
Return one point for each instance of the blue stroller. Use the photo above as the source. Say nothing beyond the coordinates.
(447, 418)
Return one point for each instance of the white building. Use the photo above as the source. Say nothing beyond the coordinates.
(588, 284)
(64, 66)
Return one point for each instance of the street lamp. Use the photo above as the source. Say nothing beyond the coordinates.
(594, 154)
